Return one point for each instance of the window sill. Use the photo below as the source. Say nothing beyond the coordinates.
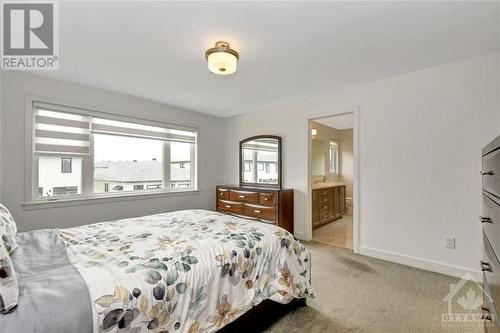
(77, 201)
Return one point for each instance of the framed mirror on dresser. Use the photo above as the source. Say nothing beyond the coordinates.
(259, 195)
(260, 161)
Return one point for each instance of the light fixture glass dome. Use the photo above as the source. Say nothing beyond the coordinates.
(222, 59)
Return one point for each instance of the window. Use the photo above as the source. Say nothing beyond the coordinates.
(51, 176)
(66, 165)
(334, 157)
(108, 154)
(65, 190)
(248, 166)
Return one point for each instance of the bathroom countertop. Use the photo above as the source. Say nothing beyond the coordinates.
(320, 185)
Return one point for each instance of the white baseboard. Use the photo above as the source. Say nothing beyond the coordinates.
(427, 265)
(300, 235)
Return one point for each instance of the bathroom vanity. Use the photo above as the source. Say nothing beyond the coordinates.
(328, 202)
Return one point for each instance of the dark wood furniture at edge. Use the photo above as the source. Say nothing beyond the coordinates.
(490, 221)
(267, 205)
(262, 316)
(328, 204)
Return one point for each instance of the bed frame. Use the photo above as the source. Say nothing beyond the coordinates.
(262, 316)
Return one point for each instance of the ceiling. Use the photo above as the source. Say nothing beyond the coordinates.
(340, 122)
(288, 50)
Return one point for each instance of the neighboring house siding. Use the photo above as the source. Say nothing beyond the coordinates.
(50, 175)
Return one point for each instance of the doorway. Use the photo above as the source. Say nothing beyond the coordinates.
(333, 179)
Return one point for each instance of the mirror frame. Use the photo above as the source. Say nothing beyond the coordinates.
(259, 185)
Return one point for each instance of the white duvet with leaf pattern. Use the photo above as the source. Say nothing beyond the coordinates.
(187, 271)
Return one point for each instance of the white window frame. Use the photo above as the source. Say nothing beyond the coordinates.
(33, 201)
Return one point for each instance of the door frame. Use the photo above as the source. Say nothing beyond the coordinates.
(325, 113)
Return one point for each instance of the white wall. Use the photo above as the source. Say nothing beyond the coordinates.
(346, 149)
(16, 85)
(420, 136)
(1, 104)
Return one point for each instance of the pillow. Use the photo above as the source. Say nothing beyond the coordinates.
(8, 229)
(9, 290)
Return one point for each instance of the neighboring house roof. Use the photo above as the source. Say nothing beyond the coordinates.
(140, 171)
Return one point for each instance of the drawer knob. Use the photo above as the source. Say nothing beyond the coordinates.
(485, 308)
(485, 266)
(485, 219)
(487, 173)
(227, 206)
(221, 193)
(241, 196)
(486, 317)
(257, 211)
(266, 199)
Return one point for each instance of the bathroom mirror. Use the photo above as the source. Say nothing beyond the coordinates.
(260, 161)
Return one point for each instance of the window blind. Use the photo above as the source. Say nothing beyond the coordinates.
(60, 132)
(65, 130)
(107, 126)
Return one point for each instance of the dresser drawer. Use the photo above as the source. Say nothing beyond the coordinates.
(223, 193)
(491, 172)
(324, 199)
(267, 199)
(324, 192)
(490, 219)
(267, 205)
(244, 196)
(260, 212)
(491, 269)
(229, 206)
(488, 303)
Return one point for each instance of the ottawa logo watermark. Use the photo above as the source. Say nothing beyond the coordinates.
(30, 38)
(468, 305)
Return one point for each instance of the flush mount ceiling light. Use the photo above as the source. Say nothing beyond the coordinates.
(222, 59)
(314, 132)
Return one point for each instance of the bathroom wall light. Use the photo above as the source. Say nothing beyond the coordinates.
(222, 59)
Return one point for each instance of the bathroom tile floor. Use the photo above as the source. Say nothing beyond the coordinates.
(336, 233)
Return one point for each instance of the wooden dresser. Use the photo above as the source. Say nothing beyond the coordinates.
(328, 204)
(490, 220)
(261, 204)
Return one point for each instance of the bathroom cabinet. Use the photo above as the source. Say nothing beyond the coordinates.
(328, 204)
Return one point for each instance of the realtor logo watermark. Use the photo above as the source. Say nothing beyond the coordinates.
(30, 36)
(467, 305)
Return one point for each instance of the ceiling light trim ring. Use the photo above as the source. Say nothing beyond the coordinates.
(222, 46)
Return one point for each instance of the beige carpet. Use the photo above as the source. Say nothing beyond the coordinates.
(360, 294)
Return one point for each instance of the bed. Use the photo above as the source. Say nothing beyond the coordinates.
(187, 271)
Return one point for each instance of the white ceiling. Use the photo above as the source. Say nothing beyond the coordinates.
(340, 122)
(288, 49)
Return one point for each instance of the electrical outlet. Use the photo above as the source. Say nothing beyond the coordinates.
(449, 242)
